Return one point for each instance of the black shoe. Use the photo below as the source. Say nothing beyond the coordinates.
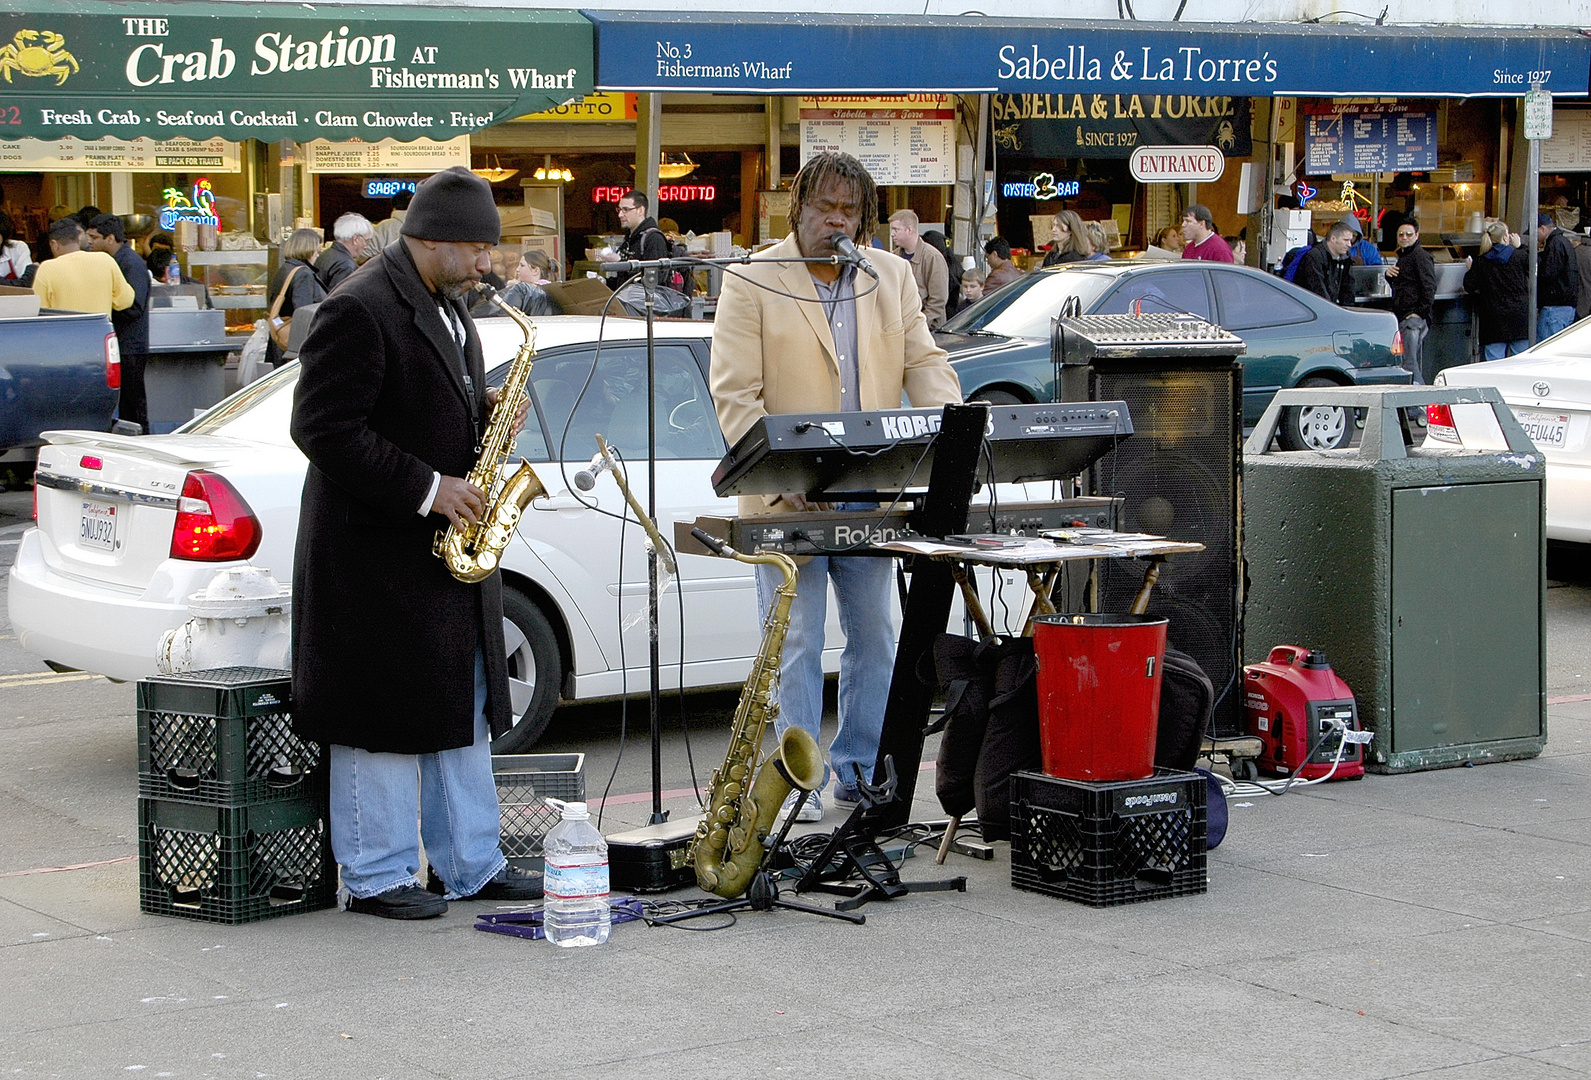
(404, 902)
(510, 883)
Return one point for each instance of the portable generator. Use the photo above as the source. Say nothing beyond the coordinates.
(1293, 701)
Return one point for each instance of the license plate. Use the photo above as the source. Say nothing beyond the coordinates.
(1545, 429)
(98, 528)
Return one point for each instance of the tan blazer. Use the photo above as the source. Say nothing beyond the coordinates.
(774, 354)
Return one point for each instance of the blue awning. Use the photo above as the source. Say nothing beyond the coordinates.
(854, 54)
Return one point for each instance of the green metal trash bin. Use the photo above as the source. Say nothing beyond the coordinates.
(1421, 573)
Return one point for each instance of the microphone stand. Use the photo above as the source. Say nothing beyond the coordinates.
(650, 271)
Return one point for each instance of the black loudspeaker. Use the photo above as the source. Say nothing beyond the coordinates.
(1180, 475)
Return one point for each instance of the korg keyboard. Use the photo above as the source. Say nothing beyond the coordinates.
(815, 453)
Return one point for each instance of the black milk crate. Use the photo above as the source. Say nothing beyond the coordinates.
(1109, 843)
(223, 736)
(524, 781)
(235, 864)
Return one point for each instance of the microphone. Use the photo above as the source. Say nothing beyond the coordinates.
(847, 249)
(586, 478)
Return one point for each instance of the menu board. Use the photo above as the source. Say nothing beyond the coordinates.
(1569, 149)
(1370, 138)
(120, 155)
(905, 139)
(388, 155)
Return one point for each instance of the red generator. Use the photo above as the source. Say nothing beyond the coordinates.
(1294, 699)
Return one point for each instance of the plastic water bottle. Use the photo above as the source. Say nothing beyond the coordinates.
(576, 910)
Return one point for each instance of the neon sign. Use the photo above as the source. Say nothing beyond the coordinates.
(386, 189)
(666, 193)
(200, 209)
(1042, 186)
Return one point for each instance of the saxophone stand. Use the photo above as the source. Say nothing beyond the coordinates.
(852, 853)
(763, 892)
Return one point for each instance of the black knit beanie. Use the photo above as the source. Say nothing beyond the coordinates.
(454, 206)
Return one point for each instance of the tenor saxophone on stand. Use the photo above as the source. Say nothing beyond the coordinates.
(728, 846)
(471, 554)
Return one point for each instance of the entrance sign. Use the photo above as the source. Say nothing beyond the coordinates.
(1176, 164)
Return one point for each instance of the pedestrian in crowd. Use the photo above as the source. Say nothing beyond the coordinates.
(385, 231)
(1068, 239)
(972, 287)
(350, 237)
(1361, 252)
(643, 240)
(73, 279)
(1201, 240)
(1413, 279)
(1002, 271)
(106, 234)
(525, 292)
(297, 276)
(1324, 269)
(1170, 239)
(15, 258)
(936, 239)
(1557, 278)
(927, 265)
(1499, 280)
(1239, 248)
(1098, 242)
(389, 409)
(1582, 261)
(86, 215)
(792, 337)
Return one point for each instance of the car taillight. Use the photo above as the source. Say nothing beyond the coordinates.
(1439, 415)
(113, 362)
(214, 524)
(1397, 343)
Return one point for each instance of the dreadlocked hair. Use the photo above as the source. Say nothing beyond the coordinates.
(819, 170)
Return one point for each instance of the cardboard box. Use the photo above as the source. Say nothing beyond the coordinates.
(581, 296)
(18, 303)
(527, 221)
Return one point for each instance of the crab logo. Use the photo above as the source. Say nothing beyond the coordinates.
(1006, 138)
(1225, 137)
(1044, 186)
(37, 61)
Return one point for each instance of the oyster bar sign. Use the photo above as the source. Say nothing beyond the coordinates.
(295, 73)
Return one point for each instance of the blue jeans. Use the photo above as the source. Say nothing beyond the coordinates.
(1499, 349)
(376, 799)
(1549, 320)
(862, 588)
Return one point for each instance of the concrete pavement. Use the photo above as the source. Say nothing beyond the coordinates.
(1435, 925)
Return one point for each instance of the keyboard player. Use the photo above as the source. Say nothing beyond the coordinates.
(818, 337)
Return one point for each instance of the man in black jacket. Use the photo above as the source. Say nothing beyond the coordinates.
(106, 233)
(1324, 269)
(398, 667)
(350, 247)
(1557, 279)
(1413, 292)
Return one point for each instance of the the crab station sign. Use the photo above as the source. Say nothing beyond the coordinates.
(1176, 164)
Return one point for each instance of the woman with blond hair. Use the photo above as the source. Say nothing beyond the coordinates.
(1068, 239)
(1499, 280)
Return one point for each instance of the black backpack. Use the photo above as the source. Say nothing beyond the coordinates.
(681, 281)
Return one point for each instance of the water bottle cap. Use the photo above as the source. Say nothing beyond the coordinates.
(571, 811)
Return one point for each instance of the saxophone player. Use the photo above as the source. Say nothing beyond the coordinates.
(820, 337)
(399, 669)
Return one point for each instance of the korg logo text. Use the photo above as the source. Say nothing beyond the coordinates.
(909, 425)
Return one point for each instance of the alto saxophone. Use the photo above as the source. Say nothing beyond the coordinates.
(728, 846)
(473, 553)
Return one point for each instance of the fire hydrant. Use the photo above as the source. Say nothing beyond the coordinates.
(241, 619)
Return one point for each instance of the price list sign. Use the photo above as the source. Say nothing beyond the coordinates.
(907, 139)
(1390, 137)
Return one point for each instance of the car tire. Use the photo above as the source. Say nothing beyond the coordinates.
(1315, 427)
(535, 672)
(997, 397)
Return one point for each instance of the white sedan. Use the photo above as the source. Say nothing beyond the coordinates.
(1548, 388)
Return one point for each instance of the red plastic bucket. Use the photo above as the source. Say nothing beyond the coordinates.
(1099, 694)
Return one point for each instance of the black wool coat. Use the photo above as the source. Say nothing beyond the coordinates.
(384, 638)
(1501, 289)
(334, 266)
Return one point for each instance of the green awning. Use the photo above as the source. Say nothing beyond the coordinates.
(95, 69)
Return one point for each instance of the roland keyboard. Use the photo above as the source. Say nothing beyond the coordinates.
(893, 449)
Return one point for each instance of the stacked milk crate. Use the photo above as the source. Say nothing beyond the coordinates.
(232, 811)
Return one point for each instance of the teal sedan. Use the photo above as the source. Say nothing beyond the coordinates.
(1000, 346)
